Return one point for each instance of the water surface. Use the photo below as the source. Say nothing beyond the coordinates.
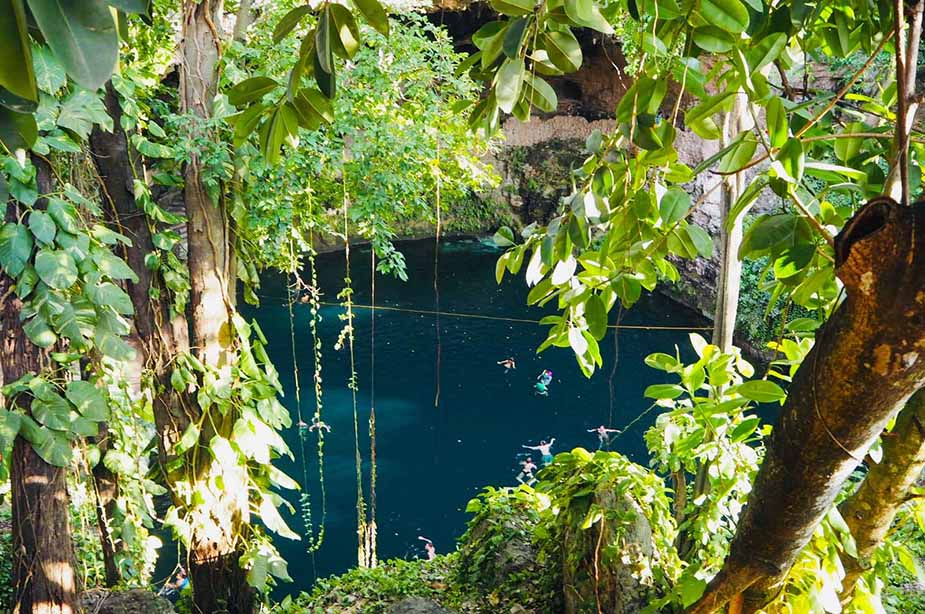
(432, 458)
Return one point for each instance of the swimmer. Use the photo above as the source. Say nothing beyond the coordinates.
(603, 435)
(541, 389)
(526, 473)
(318, 425)
(303, 426)
(545, 377)
(545, 449)
(172, 590)
(508, 364)
(429, 548)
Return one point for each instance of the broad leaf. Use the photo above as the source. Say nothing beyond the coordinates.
(16, 73)
(56, 268)
(15, 248)
(374, 14)
(82, 35)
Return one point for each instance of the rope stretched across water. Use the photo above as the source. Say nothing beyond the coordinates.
(479, 316)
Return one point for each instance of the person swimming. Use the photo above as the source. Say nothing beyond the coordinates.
(526, 473)
(545, 449)
(603, 435)
(172, 590)
(508, 364)
(318, 425)
(541, 389)
(429, 548)
(545, 377)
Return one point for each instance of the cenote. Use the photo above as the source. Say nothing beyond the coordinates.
(432, 458)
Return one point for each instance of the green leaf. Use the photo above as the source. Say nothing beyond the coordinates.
(563, 49)
(663, 391)
(744, 429)
(327, 82)
(249, 90)
(324, 44)
(509, 83)
(762, 391)
(89, 401)
(119, 462)
(701, 240)
(80, 111)
(64, 214)
(792, 161)
(740, 155)
(793, 260)
(778, 130)
(846, 149)
(713, 39)
(596, 316)
(56, 268)
(52, 411)
(39, 332)
(16, 73)
(289, 21)
(15, 248)
(9, 428)
(765, 51)
(139, 7)
(188, 439)
(728, 15)
(374, 15)
(347, 41)
(514, 8)
(271, 518)
(55, 449)
(42, 226)
(83, 37)
(112, 266)
(17, 130)
(674, 205)
(513, 37)
(504, 237)
(691, 588)
(490, 39)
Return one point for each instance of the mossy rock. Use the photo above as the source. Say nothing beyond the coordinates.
(133, 601)
(596, 578)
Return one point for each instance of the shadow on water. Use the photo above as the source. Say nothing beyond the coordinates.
(432, 460)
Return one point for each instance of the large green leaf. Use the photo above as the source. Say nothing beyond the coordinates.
(17, 130)
(509, 83)
(250, 90)
(80, 111)
(139, 7)
(107, 293)
(113, 266)
(82, 33)
(16, 73)
(9, 428)
(55, 449)
(15, 248)
(490, 39)
(347, 34)
(514, 37)
(289, 21)
(49, 73)
(563, 49)
(374, 14)
(729, 15)
(89, 401)
(778, 127)
(713, 39)
(761, 391)
(324, 43)
(541, 94)
(56, 268)
(674, 205)
(39, 332)
(740, 155)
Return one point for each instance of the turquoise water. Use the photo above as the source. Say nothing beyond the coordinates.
(432, 459)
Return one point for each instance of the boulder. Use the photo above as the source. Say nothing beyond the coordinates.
(133, 601)
(601, 578)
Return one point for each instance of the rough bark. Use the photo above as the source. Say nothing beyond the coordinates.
(219, 582)
(106, 490)
(870, 511)
(243, 20)
(157, 335)
(871, 350)
(43, 568)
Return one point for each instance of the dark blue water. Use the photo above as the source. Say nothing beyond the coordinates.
(432, 460)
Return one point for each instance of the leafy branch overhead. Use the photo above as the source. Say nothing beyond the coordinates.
(329, 31)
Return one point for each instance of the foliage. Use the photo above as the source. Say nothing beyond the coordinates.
(372, 590)
(6, 558)
(389, 139)
(708, 433)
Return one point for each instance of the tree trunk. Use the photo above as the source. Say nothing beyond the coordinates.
(243, 20)
(158, 335)
(869, 349)
(730, 268)
(43, 567)
(870, 511)
(219, 582)
(106, 491)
